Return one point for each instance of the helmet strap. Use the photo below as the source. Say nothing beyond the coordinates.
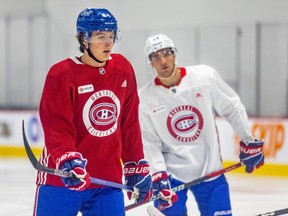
(92, 56)
(89, 52)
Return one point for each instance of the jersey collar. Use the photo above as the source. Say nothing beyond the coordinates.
(182, 73)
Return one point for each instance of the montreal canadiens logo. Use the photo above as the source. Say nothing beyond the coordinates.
(103, 114)
(100, 113)
(185, 123)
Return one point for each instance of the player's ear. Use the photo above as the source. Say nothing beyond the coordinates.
(85, 44)
(82, 40)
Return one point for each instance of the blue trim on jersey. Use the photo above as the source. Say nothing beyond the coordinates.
(61, 201)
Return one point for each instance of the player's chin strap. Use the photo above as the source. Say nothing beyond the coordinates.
(89, 52)
(92, 56)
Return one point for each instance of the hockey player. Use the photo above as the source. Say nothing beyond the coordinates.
(177, 111)
(89, 114)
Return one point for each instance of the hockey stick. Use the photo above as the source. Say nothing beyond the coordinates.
(277, 212)
(191, 183)
(152, 211)
(38, 166)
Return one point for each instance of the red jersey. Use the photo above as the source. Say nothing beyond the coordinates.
(94, 111)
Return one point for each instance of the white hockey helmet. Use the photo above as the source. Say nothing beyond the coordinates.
(158, 42)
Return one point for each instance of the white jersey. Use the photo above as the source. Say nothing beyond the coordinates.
(178, 123)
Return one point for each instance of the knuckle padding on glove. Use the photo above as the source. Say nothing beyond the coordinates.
(138, 176)
(251, 154)
(74, 162)
(162, 189)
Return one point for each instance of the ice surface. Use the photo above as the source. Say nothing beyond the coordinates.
(250, 194)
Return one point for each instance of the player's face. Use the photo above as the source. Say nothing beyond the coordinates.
(101, 44)
(163, 61)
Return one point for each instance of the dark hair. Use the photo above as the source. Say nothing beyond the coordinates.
(80, 39)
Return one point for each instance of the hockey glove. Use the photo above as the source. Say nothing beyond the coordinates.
(138, 176)
(251, 154)
(74, 162)
(162, 189)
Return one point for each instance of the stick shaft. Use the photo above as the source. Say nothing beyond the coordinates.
(191, 183)
(38, 166)
(274, 213)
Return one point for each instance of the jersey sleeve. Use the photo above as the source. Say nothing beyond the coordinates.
(227, 104)
(56, 114)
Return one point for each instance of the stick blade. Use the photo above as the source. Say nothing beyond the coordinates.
(28, 150)
(35, 163)
(152, 211)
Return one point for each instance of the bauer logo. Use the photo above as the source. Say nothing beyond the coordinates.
(85, 89)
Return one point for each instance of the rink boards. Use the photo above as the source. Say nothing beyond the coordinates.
(273, 130)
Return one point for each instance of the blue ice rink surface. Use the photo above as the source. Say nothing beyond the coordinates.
(250, 194)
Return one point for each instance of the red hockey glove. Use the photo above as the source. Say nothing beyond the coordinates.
(74, 162)
(162, 188)
(251, 154)
(138, 176)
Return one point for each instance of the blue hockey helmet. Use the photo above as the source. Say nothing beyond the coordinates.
(95, 19)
